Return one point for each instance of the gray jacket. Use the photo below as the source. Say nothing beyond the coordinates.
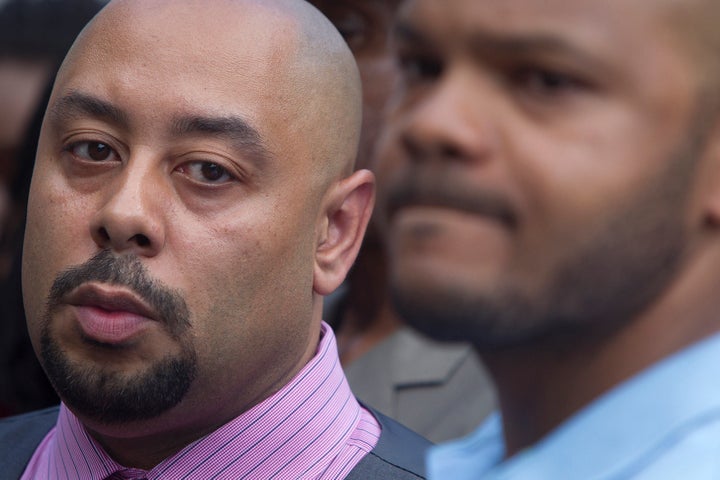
(439, 390)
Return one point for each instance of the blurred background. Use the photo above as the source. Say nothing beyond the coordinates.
(34, 37)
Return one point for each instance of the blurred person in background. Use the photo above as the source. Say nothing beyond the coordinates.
(552, 194)
(440, 390)
(34, 37)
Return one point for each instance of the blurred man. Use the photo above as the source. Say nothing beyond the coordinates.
(192, 202)
(439, 390)
(554, 173)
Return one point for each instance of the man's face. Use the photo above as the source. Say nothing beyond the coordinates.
(171, 224)
(539, 164)
(366, 26)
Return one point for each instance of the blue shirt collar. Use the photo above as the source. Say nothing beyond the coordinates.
(613, 435)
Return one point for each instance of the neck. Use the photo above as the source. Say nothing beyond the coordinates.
(543, 384)
(539, 387)
(147, 451)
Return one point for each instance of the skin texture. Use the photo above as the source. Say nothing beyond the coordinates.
(549, 198)
(206, 162)
(367, 316)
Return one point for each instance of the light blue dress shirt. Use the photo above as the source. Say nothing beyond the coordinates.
(662, 424)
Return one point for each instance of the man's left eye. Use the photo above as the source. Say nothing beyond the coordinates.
(206, 172)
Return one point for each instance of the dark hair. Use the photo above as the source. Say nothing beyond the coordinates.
(43, 29)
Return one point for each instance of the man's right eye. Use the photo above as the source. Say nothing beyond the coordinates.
(91, 150)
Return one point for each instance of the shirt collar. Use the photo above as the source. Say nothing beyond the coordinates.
(299, 428)
(614, 432)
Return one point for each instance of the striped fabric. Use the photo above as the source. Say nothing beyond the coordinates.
(313, 428)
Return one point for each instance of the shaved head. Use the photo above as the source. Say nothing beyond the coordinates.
(314, 76)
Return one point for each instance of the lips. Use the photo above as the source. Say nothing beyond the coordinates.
(108, 314)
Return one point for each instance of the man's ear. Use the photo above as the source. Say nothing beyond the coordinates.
(347, 208)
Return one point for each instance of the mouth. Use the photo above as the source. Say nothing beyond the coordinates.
(110, 298)
(108, 314)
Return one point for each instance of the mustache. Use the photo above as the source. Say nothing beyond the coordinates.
(414, 190)
(128, 271)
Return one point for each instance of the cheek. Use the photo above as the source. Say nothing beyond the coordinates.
(588, 161)
(58, 222)
(238, 270)
(245, 287)
(573, 184)
(56, 236)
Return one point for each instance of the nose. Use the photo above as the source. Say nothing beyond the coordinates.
(130, 217)
(450, 120)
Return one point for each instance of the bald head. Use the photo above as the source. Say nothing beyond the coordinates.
(309, 77)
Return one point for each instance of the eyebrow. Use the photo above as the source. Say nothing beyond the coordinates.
(245, 138)
(521, 45)
(494, 45)
(76, 105)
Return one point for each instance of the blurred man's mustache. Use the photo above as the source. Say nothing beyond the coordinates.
(449, 192)
(127, 271)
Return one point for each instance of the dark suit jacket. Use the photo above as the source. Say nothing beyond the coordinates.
(399, 454)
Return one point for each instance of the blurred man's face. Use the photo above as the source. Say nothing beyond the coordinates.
(172, 219)
(539, 164)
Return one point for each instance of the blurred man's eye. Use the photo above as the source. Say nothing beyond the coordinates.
(536, 80)
(419, 68)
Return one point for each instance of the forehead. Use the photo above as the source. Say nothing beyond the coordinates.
(597, 24)
(213, 41)
(155, 64)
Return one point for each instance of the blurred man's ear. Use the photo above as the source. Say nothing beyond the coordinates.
(347, 210)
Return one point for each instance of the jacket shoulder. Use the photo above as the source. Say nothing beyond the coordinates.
(20, 436)
(398, 455)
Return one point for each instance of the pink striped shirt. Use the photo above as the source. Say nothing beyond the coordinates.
(313, 428)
